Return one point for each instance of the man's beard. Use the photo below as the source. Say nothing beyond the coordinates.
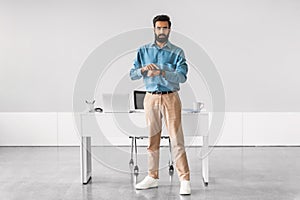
(161, 39)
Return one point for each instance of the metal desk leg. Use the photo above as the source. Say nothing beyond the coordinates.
(136, 168)
(131, 163)
(85, 159)
(205, 151)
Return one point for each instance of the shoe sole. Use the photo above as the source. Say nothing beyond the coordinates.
(185, 194)
(146, 188)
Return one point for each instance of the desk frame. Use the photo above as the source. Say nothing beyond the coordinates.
(86, 159)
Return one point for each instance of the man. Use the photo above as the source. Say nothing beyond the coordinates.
(162, 66)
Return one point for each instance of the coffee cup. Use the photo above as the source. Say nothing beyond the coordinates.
(197, 106)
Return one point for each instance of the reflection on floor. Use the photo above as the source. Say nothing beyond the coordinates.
(235, 173)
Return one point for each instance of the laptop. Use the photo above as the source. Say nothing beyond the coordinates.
(115, 103)
(138, 99)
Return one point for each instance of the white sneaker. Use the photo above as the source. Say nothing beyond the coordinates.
(185, 187)
(147, 183)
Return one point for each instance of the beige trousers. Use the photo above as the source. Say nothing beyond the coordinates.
(167, 106)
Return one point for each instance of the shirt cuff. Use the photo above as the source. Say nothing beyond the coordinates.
(167, 75)
(139, 72)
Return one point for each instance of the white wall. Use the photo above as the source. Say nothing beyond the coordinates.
(253, 43)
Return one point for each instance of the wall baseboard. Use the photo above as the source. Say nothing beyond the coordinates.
(241, 129)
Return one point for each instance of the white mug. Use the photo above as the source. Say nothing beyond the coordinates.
(197, 106)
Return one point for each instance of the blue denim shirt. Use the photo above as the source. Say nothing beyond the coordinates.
(169, 58)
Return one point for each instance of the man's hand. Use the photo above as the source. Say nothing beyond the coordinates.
(154, 72)
(149, 67)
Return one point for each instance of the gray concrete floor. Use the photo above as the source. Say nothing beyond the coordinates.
(235, 173)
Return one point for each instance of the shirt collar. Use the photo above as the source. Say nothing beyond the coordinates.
(168, 45)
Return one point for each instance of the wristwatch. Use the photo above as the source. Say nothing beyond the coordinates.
(161, 72)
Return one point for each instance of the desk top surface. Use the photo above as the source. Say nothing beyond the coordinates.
(184, 112)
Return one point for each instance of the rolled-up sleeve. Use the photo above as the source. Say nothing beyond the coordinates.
(135, 71)
(180, 73)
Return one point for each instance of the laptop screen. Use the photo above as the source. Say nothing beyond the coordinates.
(139, 99)
(117, 102)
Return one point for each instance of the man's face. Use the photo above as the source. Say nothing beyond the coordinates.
(161, 31)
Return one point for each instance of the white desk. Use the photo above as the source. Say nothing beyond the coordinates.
(191, 122)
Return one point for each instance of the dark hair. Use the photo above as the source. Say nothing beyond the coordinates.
(164, 18)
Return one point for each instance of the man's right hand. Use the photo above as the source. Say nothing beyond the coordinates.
(149, 67)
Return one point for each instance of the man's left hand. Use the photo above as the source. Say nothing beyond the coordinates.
(153, 73)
